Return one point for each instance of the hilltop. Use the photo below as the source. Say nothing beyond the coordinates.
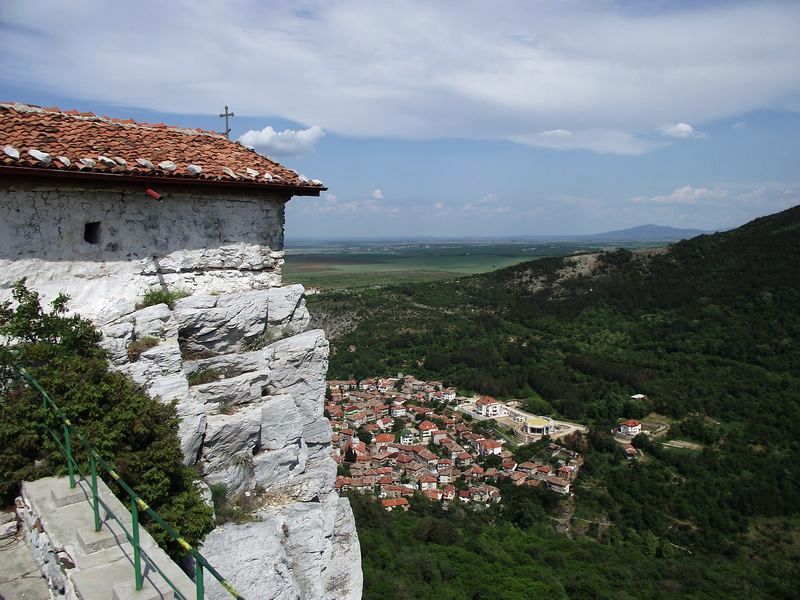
(645, 233)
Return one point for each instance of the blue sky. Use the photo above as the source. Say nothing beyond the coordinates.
(453, 119)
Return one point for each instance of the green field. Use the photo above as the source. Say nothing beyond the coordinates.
(354, 265)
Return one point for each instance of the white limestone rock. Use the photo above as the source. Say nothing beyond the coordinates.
(158, 369)
(154, 321)
(230, 364)
(115, 341)
(312, 545)
(316, 481)
(227, 435)
(274, 470)
(317, 435)
(280, 422)
(308, 533)
(299, 364)
(228, 325)
(253, 560)
(232, 322)
(169, 387)
(192, 427)
(241, 389)
(343, 577)
(112, 309)
(318, 431)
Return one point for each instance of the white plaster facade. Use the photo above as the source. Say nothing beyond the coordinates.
(207, 240)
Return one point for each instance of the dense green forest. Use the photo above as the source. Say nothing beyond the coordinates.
(708, 331)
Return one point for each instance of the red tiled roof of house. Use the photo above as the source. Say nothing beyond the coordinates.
(49, 141)
(490, 444)
(486, 400)
(392, 502)
(631, 423)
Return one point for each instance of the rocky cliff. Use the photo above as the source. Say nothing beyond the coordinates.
(249, 382)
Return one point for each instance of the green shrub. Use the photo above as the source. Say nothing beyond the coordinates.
(134, 433)
(160, 295)
(136, 347)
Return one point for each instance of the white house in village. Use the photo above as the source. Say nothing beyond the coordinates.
(407, 436)
(630, 427)
(490, 408)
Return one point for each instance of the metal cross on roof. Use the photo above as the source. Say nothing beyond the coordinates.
(225, 116)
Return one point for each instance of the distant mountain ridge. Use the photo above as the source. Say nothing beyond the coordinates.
(646, 233)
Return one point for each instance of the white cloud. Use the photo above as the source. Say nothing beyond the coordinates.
(556, 133)
(686, 195)
(377, 194)
(739, 125)
(288, 142)
(438, 206)
(680, 130)
(600, 141)
(482, 203)
(392, 70)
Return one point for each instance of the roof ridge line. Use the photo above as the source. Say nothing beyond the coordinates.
(90, 116)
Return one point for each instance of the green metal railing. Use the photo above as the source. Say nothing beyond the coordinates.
(136, 503)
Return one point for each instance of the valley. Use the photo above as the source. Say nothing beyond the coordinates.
(697, 341)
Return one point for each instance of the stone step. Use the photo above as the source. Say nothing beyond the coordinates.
(110, 535)
(115, 582)
(102, 560)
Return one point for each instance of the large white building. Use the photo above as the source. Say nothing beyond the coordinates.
(540, 426)
(490, 408)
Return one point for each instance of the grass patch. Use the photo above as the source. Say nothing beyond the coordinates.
(235, 510)
(202, 376)
(270, 334)
(159, 295)
(138, 346)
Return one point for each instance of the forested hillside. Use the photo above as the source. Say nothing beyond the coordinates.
(708, 330)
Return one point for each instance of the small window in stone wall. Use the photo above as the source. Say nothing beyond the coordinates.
(91, 232)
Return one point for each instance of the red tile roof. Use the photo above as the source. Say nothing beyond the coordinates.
(486, 401)
(48, 141)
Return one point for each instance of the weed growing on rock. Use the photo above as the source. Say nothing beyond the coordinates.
(160, 295)
(137, 347)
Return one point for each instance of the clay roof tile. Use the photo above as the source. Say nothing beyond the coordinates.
(78, 135)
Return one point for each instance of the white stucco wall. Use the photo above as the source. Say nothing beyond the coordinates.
(214, 241)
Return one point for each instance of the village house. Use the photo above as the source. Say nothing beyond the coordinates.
(557, 484)
(490, 408)
(427, 482)
(407, 436)
(630, 427)
(487, 447)
(392, 503)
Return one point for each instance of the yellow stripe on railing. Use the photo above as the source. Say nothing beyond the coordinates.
(184, 544)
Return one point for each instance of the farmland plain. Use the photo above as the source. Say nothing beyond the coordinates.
(337, 265)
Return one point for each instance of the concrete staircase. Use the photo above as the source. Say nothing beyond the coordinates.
(97, 565)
